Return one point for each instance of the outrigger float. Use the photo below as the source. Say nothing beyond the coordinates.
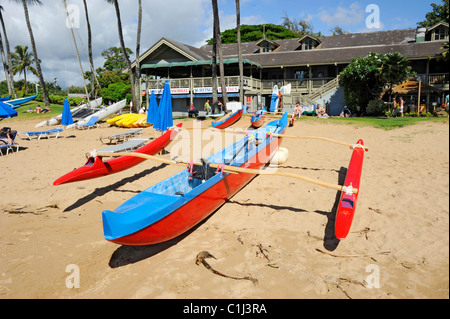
(96, 167)
(175, 205)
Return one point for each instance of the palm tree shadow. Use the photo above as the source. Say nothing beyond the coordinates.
(275, 207)
(330, 242)
(104, 190)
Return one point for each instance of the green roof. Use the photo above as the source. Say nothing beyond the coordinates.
(195, 63)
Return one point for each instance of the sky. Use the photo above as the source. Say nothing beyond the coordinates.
(187, 21)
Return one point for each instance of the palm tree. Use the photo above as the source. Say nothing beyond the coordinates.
(137, 72)
(122, 45)
(22, 61)
(33, 46)
(91, 59)
(214, 67)
(218, 41)
(241, 64)
(7, 64)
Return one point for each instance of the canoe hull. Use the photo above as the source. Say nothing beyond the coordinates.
(347, 203)
(95, 168)
(229, 121)
(160, 213)
(257, 119)
(196, 210)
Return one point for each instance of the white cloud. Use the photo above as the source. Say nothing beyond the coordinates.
(181, 20)
(343, 16)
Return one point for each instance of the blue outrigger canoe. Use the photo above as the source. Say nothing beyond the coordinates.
(175, 205)
(6, 98)
(18, 102)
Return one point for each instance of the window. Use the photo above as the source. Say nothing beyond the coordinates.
(265, 46)
(439, 34)
(308, 44)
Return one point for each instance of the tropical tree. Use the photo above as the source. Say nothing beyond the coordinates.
(394, 70)
(92, 77)
(127, 59)
(366, 78)
(240, 60)
(7, 63)
(22, 61)
(33, 46)
(439, 13)
(219, 50)
(137, 72)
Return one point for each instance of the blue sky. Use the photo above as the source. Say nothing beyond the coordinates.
(187, 21)
(326, 14)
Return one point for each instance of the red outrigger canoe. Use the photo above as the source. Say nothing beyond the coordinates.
(96, 167)
(233, 118)
(175, 205)
(347, 202)
(258, 118)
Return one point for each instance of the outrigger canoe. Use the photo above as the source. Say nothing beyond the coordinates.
(175, 205)
(18, 102)
(258, 118)
(96, 167)
(233, 118)
(347, 202)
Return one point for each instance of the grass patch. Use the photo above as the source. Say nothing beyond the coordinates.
(378, 122)
(23, 115)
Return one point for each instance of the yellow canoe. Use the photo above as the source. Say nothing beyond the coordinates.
(115, 119)
(126, 119)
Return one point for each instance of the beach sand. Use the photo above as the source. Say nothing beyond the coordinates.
(276, 230)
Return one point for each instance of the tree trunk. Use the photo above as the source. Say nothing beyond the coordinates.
(37, 61)
(214, 102)
(241, 64)
(219, 49)
(127, 59)
(137, 73)
(9, 76)
(91, 59)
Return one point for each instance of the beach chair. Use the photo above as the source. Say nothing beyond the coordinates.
(127, 146)
(120, 137)
(91, 123)
(10, 147)
(40, 134)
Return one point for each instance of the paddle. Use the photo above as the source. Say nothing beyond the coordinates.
(289, 136)
(234, 169)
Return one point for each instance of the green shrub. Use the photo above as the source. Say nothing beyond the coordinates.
(376, 108)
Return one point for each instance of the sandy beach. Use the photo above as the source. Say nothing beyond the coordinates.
(276, 230)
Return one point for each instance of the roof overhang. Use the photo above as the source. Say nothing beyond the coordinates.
(196, 63)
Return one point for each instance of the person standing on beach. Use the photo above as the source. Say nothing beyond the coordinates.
(207, 107)
(401, 106)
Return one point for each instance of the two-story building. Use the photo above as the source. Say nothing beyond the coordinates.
(310, 65)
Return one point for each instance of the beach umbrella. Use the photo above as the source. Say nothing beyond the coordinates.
(66, 114)
(6, 111)
(165, 117)
(152, 109)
